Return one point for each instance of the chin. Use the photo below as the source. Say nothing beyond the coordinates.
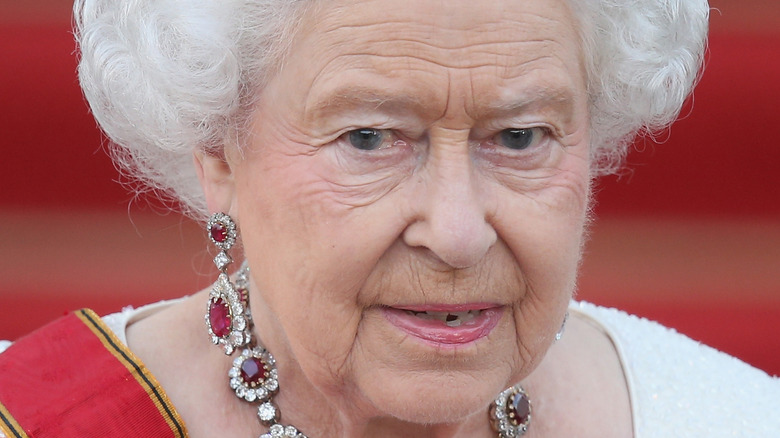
(434, 398)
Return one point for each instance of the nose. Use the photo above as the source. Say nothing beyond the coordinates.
(451, 215)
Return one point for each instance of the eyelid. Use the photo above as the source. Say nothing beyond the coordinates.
(542, 133)
(519, 159)
(389, 138)
(491, 127)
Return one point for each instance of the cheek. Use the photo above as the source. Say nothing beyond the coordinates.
(544, 231)
(310, 254)
(544, 226)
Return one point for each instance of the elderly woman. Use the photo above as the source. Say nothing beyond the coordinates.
(408, 185)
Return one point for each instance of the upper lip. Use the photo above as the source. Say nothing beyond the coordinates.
(452, 308)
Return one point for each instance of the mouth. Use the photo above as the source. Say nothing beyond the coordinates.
(445, 325)
(450, 319)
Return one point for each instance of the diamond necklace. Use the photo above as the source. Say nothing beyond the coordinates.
(254, 379)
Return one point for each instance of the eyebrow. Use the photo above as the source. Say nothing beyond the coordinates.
(356, 98)
(560, 98)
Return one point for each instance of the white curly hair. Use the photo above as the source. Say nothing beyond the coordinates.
(164, 77)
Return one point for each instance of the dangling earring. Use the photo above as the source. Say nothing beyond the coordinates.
(559, 335)
(510, 412)
(227, 317)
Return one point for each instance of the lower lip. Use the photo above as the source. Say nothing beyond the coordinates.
(438, 333)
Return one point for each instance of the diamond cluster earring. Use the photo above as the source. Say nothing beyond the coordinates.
(510, 412)
(227, 317)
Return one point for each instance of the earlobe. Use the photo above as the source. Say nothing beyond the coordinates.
(216, 179)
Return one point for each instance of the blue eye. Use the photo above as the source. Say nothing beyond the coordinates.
(366, 139)
(520, 139)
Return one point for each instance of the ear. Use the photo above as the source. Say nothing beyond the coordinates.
(216, 178)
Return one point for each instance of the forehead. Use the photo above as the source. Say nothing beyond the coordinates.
(490, 47)
(396, 26)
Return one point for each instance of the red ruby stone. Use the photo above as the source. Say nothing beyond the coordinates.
(520, 408)
(252, 370)
(218, 232)
(220, 318)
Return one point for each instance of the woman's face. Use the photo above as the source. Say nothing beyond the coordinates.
(412, 199)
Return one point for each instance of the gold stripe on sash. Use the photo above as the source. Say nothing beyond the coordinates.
(136, 368)
(9, 426)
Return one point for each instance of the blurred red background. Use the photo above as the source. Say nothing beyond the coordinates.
(688, 235)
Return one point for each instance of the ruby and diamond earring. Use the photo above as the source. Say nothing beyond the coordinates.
(227, 318)
(510, 412)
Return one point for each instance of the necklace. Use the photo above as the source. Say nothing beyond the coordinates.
(254, 378)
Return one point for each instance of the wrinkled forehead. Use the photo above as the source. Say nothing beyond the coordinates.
(486, 49)
(442, 31)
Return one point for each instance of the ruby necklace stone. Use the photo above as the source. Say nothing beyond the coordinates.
(253, 371)
(218, 232)
(220, 318)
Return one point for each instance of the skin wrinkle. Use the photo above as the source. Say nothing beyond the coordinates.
(463, 279)
(353, 196)
(521, 313)
(453, 56)
(368, 194)
(515, 47)
(441, 26)
(545, 201)
(360, 174)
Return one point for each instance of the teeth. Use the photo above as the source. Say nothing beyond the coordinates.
(451, 319)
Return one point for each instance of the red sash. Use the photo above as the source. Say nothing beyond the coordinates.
(74, 378)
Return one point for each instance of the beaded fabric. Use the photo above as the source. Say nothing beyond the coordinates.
(681, 388)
